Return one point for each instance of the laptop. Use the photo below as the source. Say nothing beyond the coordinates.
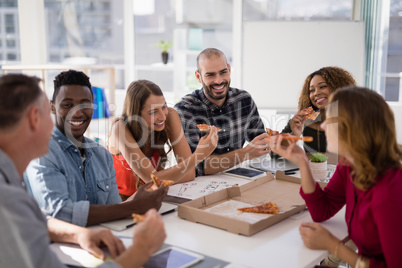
(267, 163)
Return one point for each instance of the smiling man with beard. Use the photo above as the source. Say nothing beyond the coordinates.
(76, 181)
(230, 109)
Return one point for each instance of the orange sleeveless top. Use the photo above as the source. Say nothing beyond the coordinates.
(125, 177)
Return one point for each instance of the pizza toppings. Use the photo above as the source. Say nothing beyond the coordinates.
(267, 208)
(158, 182)
(287, 136)
(167, 183)
(138, 217)
(205, 127)
(271, 132)
(309, 113)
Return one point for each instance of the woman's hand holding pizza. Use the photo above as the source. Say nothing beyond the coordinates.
(297, 123)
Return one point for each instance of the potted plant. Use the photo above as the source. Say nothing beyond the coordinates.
(164, 46)
(318, 166)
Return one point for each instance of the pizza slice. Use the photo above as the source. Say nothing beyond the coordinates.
(167, 183)
(158, 182)
(205, 127)
(309, 113)
(267, 208)
(287, 136)
(138, 217)
(271, 132)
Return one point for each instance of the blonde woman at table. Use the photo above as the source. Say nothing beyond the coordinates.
(360, 127)
(139, 138)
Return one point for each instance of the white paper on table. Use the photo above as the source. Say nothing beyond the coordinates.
(205, 185)
(72, 254)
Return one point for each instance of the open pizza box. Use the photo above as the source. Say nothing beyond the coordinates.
(219, 209)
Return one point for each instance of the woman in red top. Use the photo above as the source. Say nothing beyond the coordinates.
(142, 137)
(360, 127)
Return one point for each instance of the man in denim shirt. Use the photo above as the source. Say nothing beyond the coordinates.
(76, 182)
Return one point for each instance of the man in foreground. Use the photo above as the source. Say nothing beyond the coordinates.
(25, 128)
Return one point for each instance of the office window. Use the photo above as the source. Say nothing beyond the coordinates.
(85, 29)
(393, 74)
(9, 23)
(9, 31)
(10, 43)
(8, 3)
(297, 10)
(11, 56)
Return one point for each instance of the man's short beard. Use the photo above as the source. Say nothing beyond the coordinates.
(209, 92)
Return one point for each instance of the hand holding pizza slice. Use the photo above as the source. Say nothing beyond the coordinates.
(138, 218)
(158, 182)
(309, 113)
(287, 136)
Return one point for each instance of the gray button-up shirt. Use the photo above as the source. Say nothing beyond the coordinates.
(24, 239)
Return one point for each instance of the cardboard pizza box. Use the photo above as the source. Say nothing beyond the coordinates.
(219, 209)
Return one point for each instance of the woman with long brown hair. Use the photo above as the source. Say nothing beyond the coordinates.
(360, 127)
(142, 137)
(317, 87)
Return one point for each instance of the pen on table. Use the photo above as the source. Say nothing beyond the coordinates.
(291, 171)
(123, 236)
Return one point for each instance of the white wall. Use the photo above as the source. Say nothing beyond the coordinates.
(278, 56)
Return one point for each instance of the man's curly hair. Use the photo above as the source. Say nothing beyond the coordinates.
(70, 77)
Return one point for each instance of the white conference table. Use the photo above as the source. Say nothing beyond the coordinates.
(279, 245)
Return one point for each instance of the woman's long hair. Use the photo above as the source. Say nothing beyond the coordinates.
(366, 128)
(137, 94)
(335, 77)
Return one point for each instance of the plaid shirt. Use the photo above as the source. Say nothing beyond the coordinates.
(238, 118)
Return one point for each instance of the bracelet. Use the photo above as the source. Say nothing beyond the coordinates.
(362, 262)
(336, 248)
(358, 261)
